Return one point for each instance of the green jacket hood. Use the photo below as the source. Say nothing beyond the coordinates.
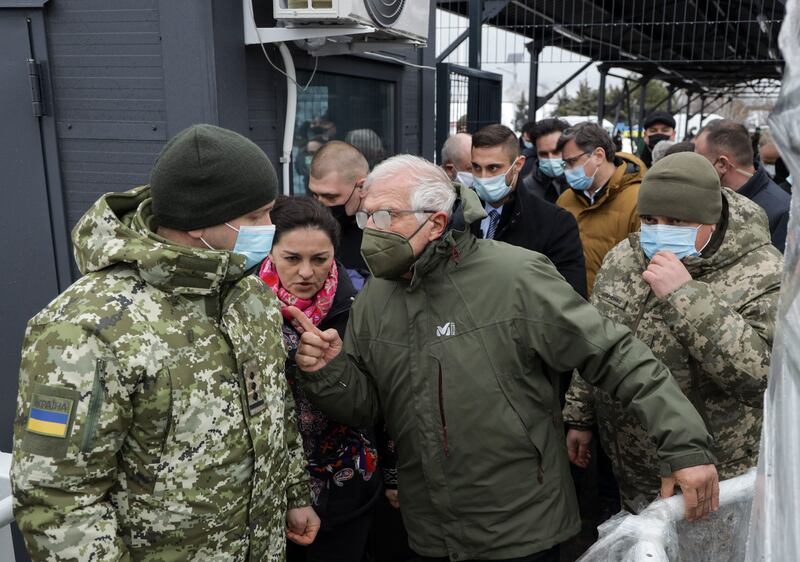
(745, 229)
(119, 229)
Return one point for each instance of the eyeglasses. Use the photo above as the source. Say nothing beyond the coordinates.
(570, 162)
(383, 217)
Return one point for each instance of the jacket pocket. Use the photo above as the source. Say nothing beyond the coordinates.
(442, 415)
(95, 405)
(160, 465)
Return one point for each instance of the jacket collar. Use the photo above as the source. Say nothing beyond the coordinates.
(630, 170)
(457, 242)
(120, 228)
(345, 293)
(756, 184)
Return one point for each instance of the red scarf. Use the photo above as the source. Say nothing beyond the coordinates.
(316, 308)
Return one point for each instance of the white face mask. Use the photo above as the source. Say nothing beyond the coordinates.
(465, 178)
(770, 169)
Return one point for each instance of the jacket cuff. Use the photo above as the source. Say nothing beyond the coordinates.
(579, 409)
(677, 462)
(683, 303)
(298, 495)
(327, 376)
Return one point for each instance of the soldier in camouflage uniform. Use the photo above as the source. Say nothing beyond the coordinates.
(154, 421)
(709, 317)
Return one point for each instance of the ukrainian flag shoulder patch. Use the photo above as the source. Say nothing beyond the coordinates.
(50, 415)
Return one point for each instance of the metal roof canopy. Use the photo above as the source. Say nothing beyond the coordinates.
(711, 47)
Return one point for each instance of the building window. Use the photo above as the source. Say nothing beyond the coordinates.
(360, 111)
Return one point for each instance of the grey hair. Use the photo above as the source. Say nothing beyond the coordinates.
(452, 147)
(661, 149)
(431, 188)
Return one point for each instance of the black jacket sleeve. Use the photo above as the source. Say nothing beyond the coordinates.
(779, 231)
(565, 250)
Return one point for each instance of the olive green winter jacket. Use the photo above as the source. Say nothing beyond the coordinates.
(715, 335)
(154, 421)
(461, 363)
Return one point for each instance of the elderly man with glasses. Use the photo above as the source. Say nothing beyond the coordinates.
(456, 343)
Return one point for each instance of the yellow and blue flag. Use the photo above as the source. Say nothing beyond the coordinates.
(49, 415)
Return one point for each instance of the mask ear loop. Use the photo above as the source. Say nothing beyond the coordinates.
(514, 163)
(595, 170)
(700, 251)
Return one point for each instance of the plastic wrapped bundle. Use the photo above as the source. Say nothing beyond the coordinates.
(775, 530)
(659, 534)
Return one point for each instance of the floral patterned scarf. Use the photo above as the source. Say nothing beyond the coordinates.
(316, 308)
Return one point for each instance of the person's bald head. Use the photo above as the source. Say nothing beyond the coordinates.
(456, 154)
(337, 170)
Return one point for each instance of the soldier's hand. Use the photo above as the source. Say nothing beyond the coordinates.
(302, 525)
(578, 447)
(700, 488)
(394, 498)
(665, 274)
(316, 348)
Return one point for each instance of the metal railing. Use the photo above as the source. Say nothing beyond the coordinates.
(652, 536)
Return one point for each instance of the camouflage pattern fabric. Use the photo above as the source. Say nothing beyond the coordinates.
(154, 421)
(715, 335)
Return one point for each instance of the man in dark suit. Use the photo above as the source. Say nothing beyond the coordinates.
(726, 144)
(515, 215)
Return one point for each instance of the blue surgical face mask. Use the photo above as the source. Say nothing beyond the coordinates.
(680, 240)
(465, 178)
(495, 188)
(577, 178)
(253, 242)
(527, 144)
(552, 167)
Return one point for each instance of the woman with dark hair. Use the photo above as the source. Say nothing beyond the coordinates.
(342, 460)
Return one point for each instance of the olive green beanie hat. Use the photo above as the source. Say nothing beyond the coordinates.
(208, 175)
(682, 186)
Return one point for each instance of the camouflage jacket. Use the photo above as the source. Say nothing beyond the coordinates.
(154, 421)
(715, 335)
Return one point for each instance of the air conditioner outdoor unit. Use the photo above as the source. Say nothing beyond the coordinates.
(398, 21)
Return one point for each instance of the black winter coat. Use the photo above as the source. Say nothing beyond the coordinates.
(362, 495)
(544, 186)
(532, 223)
(764, 192)
(349, 251)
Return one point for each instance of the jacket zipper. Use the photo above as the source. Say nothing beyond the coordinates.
(95, 403)
(169, 417)
(441, 413)
(641, 312)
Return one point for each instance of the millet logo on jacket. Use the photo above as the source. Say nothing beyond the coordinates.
(448, 329)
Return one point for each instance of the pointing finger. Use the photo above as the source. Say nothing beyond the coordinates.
(303, 320)
(314, 339)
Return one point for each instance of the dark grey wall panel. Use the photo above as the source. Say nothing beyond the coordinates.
(108, 86)
(266, 104)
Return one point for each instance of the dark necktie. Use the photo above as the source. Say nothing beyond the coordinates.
(494, 219)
